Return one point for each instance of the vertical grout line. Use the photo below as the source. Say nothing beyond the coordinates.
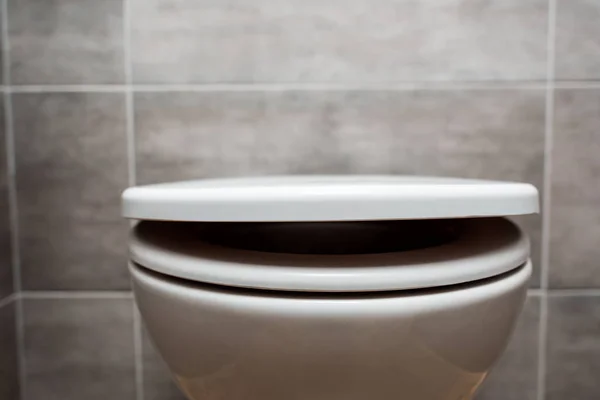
(131, 169)
(13, 206)
(130, 129)
(547, 196)
(20, 333)
(138, 353)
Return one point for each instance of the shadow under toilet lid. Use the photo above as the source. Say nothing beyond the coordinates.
(328, 198)
(485, 248)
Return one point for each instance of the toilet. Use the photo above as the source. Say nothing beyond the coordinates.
(329, 287)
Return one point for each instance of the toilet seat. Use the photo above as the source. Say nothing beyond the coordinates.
(487, 247)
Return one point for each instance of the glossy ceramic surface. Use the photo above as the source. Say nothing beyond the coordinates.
(231, 344)
(328, 198)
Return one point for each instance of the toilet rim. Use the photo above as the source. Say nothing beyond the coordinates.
(369, 302)
(488, 247)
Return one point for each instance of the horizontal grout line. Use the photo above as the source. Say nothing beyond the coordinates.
(65, 294)
(8, 299)
(273, 87)
(576, 85)
(535, 292)
(574, 292)
(396, 86)
(276, 87)
(64, 88)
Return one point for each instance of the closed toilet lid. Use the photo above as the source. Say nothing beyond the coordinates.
(328, 198)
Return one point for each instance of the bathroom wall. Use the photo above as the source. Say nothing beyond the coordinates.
(100, 95)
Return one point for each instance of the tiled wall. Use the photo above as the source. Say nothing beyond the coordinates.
(101, 94)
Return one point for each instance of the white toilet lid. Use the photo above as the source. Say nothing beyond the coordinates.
(328, 198)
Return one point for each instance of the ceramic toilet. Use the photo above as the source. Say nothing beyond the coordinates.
(329, 287)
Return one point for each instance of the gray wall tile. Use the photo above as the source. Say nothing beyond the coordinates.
(71, 168)
(66, 41)
(9, 380)
(573, 348)
(495, 134)
(6, 279)
(158, 383)
(78, 349)
(182, 41)
(578, 39)
(575, 223)
(515, 375)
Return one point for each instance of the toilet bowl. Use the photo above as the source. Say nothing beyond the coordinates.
(329, 287)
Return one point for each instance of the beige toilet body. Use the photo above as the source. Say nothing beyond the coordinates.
(239, 345)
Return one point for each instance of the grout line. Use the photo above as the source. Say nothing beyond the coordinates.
(546, 211)
(576, 85)
(65, 294)
(342, 86)
(548, 145)
(282, 87)
(138, 352)
(20, 333)
(8, 299)
(64, 88)
(127, 66)
(130, 132)
(574, 293)
(542, 339)
(277, 87)
(534, 292)
(132, 174)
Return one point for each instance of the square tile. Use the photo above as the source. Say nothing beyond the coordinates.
(495, 134)
(575, 222)
(573, 358)
(66, 41)
(158, 383)
(6, 278)
(9, 368)
(71, 168)
(79, 349)
(196, 41)
(578, 39)
(515, 375)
